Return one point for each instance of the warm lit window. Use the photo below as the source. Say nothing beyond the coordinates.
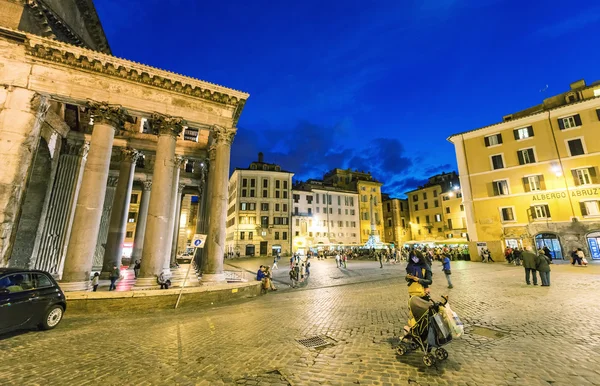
(533, 183)
(438, 217)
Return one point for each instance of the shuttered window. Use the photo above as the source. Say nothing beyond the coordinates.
(500, 188)
(507, 214)
(569, 122)
(540, 211)
(584, 176)
(497, 162)
(590, 208)
(526, 156)
(522, 133)
(533, 183)
(492, 140)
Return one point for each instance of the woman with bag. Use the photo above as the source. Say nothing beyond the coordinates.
(418, 275)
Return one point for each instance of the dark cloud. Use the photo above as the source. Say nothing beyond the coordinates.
(309, 150)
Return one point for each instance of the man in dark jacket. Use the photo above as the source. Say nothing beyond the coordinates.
(529, 263)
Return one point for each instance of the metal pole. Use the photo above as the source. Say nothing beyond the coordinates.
(184, 281)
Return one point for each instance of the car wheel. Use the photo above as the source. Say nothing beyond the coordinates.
(52, 317)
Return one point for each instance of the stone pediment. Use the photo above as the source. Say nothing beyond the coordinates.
(84, 59)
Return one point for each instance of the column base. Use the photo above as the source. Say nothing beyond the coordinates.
(74, 286)
(145, 282)
(210, 278)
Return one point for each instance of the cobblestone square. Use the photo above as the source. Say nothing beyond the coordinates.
(515, 334)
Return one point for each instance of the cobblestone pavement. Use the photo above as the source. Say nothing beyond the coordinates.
(516, 335)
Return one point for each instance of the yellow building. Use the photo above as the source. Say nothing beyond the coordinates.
(436, 212)
(396, 220)
(533, 178)
(369, 192)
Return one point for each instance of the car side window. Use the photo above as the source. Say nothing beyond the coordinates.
(17, 282)
(41, 281)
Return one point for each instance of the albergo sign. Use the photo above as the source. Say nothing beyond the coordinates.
(590, 192)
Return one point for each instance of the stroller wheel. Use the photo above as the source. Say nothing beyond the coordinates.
(401, 350)
(429, 360)
(441, 354)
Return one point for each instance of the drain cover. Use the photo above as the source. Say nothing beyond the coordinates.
(488, 332)
(315, 342)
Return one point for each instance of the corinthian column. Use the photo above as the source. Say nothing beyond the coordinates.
(88, 210)
(156, 249)
(140, 228)
(177, 216)
(120, 211)
(173, 205)
(223, 137)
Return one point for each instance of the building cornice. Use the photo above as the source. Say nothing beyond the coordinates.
(593, 102)
(88, 60)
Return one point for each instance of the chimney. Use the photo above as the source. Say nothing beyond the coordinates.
(261, 157)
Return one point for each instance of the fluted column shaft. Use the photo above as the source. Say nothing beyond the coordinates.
(88, 211)
(223, 137)
(177, 216)
(173, 205)
(140, 227)
(120, 211)
(155, 248)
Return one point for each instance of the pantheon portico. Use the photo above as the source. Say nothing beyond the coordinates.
(79, 130)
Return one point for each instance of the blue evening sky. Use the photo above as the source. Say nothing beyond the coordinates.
(372, 85)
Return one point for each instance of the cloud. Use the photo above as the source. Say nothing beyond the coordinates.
(578, 21)
(309, 150)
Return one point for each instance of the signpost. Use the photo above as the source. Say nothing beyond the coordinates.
(198, 241)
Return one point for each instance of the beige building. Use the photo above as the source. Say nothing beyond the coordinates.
(258, 218)
(532, 179)
(324, 217)
(396, 220)
(436, 211)
(369, 191)
(81, 129)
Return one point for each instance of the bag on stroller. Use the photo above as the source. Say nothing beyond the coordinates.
(428, 330)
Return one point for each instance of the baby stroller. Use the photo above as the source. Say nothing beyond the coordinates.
(428, 330)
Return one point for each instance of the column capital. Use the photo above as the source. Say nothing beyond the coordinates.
(179, 160)
(102, 112)
(130, 155)
(147, 186)
(72, 147)
(112, 182)
(40, 104)
(223, 135)
(180, 188)
(167, 125)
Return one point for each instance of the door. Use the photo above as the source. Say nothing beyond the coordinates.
(263, 248)
(15, 300)
(275, 250)
(551, 241)
(250, 250)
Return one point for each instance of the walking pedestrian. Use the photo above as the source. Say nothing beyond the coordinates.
(293, 278)
(418, 275)
(307, 268)
(113, 277)
(447, 272)
(345, 260)
(575, 257)
(337, 260)
(95, 281)
(380, 258)
(529, 263)
(275, 259)
(543, 266)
